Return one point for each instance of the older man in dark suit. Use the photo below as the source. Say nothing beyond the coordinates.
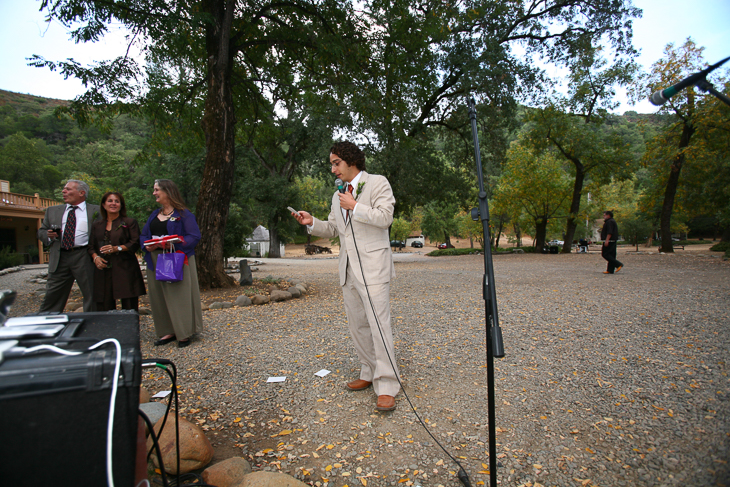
(66, 229)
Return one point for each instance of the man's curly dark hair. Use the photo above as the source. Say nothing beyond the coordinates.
(350, 153)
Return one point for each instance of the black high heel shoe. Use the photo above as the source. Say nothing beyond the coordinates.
(183, 343)
(164, 341)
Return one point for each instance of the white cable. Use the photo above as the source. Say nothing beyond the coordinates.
(112, 403)
(51, 348)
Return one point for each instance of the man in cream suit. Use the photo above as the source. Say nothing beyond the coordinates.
(361, 216)
(69, 259)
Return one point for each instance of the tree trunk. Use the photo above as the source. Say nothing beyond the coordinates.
(274, 246)
(219, 127)
(518, 234)
(540, 233)
(574, 208)
(665, 221)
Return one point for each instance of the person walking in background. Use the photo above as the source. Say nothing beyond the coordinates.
(176, 307)
(609, 235)
(361, 216)
(114, 240)
(66, 229)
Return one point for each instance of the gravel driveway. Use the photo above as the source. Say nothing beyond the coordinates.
(607, 380)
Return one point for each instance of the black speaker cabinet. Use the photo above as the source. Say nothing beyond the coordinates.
(54, 409)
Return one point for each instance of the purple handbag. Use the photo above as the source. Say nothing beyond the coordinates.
(169, 266)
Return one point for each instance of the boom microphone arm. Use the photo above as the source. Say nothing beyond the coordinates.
(699, 79)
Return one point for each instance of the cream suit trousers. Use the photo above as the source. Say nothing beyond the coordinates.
(376, 366)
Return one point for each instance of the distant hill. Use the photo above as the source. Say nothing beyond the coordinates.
(29, 104)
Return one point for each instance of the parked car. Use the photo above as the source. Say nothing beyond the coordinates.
(397, 244)
(446, 246)
(417, 244)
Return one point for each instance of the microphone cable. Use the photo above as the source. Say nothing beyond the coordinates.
(462, 475)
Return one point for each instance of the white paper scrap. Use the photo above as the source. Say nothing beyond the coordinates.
(276, 379)
(322, 373)
(162, 394)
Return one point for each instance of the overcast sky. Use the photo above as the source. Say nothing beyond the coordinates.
(24, 32)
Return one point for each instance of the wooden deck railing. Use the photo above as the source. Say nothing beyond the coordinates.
(16, 200)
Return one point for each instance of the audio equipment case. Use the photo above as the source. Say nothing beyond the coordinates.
(54, 408)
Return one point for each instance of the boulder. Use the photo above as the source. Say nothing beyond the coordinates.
(278, 295)
(270, 479)
(195, 450)
(295, 292)
(144, 396)
(259, 299)
(216, 305)
(243, 301)
(144, 312)
(302, 288)
(228, 473)
(227, 304)
(154, 411)
(246, 278)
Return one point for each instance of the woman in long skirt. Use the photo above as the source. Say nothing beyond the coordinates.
(176, 307)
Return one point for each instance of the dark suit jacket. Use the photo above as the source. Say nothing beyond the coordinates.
(127, 280)
(54, 216)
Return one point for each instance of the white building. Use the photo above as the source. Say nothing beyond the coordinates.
(258, 243)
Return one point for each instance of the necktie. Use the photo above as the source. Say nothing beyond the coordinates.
(69, 232)
(349, 190)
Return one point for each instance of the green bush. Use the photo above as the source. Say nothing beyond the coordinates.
(441, 252)
(8, 258)
(721, 247)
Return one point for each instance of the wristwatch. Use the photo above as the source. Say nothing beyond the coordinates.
(119, 248)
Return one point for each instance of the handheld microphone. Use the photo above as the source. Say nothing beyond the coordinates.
(662, 96)
(340, 185)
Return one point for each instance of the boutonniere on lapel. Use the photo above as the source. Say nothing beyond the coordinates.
(174, 218)
(359, 189)
(123, 225)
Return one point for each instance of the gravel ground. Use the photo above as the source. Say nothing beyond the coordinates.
(607, 380)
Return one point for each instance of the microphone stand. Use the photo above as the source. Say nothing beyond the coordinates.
(705, 86)
(494, 345)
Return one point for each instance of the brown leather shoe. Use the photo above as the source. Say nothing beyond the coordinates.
(385, 403)
(358, 385)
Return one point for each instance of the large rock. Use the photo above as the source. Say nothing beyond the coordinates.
(154, 411)
(228, 473)
(216, 305)
(144, 395)
(246, 278)
(295, 292)
(278, 295)
(195, 449)
(259, 299)
(302, 288)
(270, 479)
(243, 301)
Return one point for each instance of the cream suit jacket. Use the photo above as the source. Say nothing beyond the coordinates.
(370, 222)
